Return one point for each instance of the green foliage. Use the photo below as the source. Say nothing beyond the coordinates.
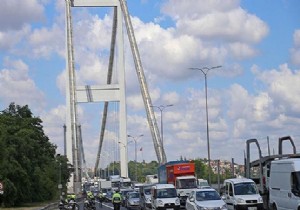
(28, 163)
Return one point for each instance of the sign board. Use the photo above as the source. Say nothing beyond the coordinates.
(59, 186)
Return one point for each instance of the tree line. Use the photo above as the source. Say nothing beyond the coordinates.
(29, 165)
(140, 170)
(31, 171)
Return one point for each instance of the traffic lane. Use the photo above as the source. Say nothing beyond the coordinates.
(107, 206)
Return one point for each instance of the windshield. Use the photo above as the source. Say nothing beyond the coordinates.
(166, 193)
(133, 195)
(296, 181)
(207, 195)
(126, 184)
(115, 184)
(186, 184)
(147, 191)
(246, 188)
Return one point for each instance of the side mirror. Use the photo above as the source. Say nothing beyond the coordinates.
(192, 199)
(296, 192)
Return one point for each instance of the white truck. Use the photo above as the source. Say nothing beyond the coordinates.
(151, 179)
(202, 184)
(125, 182)
(284, 184)
(104, 186)
(241, 193)
(115, 181)
(164, 197)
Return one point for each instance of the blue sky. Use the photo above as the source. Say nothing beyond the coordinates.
(255, 94)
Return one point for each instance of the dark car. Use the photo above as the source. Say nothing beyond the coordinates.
(132, 200)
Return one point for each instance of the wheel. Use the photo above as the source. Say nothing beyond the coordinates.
(274, 206)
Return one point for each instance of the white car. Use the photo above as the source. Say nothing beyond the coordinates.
(202, 199)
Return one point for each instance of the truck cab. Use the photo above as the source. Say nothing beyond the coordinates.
(164, 197)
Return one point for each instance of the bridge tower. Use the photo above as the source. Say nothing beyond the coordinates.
(90, 94)
(108, 92)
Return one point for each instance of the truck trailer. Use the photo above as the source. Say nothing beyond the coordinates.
(181, 174)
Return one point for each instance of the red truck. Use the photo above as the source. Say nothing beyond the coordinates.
(181, 174)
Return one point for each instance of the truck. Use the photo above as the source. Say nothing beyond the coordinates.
(125, 182)
(115, 181)
(284, 184)
(261, 172)
(241, 193)
(104, 186)
(181, 174)
(202, 184)
(151, 179)
(164, 197)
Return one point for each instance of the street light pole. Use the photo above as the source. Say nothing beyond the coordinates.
(205, 70)
(161, 109)
(135, 152)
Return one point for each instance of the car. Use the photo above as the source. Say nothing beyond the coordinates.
(145, 196)
(205, 199)
(123, 194)
(132, 200)
(108, 196)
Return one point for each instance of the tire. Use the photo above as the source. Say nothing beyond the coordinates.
(274, 206)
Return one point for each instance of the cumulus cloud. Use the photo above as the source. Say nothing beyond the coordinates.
(47, 41)
(18, 86)
(14, 14)
(283, 85)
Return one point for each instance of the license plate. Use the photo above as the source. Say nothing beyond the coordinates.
(169, 209)
(252, 208)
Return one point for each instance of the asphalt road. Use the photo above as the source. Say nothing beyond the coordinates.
(105, 206)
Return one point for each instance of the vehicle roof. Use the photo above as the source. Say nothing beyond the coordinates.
(238, 180)
(204, 189)
(132, 192)
(161, 186)
(288, 160)
(185, 177)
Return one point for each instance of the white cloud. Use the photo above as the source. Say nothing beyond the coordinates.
(17, 85)
(226, 21)
(14, 14)
(46, 41)
(282, 85)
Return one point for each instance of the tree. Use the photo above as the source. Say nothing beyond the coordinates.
(28, 163)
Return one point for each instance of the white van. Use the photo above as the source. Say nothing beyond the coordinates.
(145, 196)
(241, 193)
(284, 184)
(164, 197)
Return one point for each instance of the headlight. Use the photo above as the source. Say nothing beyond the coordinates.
(177, 201)
(240, 200)
(160, 203)
(224, 207)
(201, 208)
(260, 200)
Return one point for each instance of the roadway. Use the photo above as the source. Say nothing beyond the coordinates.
(105, 206)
